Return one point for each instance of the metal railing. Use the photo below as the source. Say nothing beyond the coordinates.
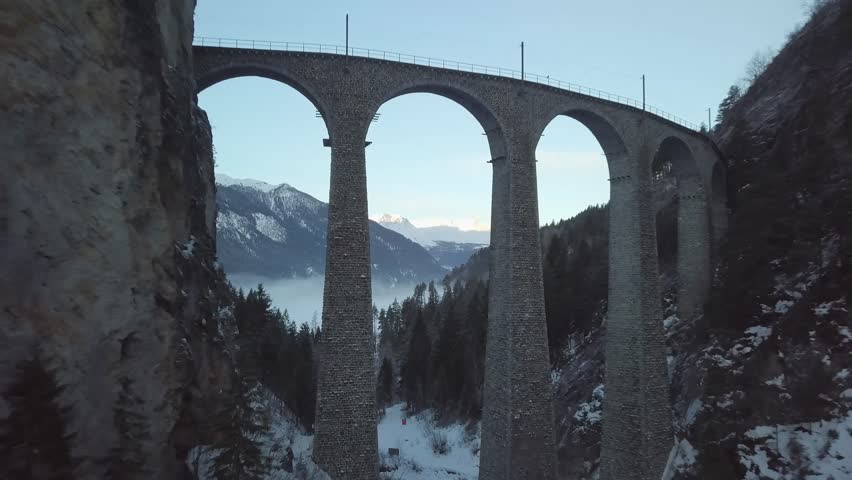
(437, 63)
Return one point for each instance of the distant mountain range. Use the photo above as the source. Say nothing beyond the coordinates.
(450, 246)
(278, 231)
(431, 236)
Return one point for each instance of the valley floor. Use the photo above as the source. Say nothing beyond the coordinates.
(417, 459)
(416, 441)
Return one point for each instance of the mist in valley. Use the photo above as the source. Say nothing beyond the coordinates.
(302, 297)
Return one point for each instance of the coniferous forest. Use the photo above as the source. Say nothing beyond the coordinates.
(433, 342)
(430, 347)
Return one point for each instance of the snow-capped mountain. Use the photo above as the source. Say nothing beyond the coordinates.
(222, 179)
(430, 236)
(278, 231)
(451, 246)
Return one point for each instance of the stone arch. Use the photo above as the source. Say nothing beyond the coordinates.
(610, 139)
(674, 156)
(674, 160)
(220, 74)
(468, 100)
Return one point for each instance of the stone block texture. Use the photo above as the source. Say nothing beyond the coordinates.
(496, 409)
(693, 247)
(345, 442)
(518, 440)
(637, 419)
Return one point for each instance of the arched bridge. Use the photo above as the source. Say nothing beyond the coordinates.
(518, 439)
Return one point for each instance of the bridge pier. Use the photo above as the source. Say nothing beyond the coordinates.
(637, 420)
(518, 439)
(497, 398)
(693, 247)
(719, 216)
(345, 439)
(533, 455)
(718, 204)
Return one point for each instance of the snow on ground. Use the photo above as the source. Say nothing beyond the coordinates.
(825, 307)
(589, 413)
(821, 449)
(681, 458)
(756, 335)
(692, 411)
(286, 446)
(289, 448)
(188, 248)
(417, 459)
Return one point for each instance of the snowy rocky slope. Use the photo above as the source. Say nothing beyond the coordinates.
(278, 231)
(284, 444)
(426, 451)
(760, 383)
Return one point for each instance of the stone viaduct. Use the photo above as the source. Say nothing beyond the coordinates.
(518, 439)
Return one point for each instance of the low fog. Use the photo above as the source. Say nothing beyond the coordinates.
(302, 297)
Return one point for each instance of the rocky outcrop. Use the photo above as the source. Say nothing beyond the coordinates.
(776, 334)
(107, 228)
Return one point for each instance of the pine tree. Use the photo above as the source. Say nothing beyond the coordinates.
(127, 459)
(34, 438)
(394, 324)
(556, 284)
(304, 394)
(241, 424)
(475, 335)
(241, 421)
(384, 390)
(415, 371)
(448, 369)
(734, 94)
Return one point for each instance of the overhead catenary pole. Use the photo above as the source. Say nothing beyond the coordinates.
(347, 34)
(643, 92)
(708, 120)
(522, 60)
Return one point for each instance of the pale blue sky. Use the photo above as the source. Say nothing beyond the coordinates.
(427, 160)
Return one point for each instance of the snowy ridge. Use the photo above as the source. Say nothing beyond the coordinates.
(430, 236)
(401, 225)
(284, 199)
(223, 179)
(280, 232)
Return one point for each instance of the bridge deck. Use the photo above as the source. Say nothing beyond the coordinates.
(382, 55)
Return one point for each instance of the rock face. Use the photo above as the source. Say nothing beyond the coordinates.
(778, 325)
(107, 222)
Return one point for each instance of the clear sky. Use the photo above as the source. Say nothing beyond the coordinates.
(428, 157)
